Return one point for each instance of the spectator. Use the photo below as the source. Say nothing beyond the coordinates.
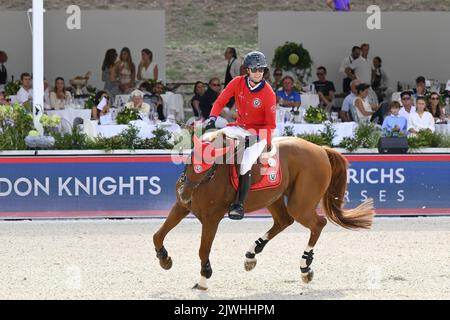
(158, 101)
(346, 71)
(379, 79)
(59, 95)
(421, 88)
(266, 76)
(287, 97)
(147, 90)
(325, 89)
(199, 90)
(25, 94)
(394, 123)
(421, 119)
(126, 71)
(348, 111)
(109, 74)
(46, 95)
(361, 103)
(447, 99)
(101, 111)
(407, 107)
(242, 70)
(233, 65)
(339, 5)
(277, 75)
(361, 67)
(210, 96)
(435, 107)
(137, 103)
(3, 71)
(3, 100)
(147, 68)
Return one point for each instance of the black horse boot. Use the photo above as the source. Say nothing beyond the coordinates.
(237, 208)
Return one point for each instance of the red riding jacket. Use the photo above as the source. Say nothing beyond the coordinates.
(256, 108)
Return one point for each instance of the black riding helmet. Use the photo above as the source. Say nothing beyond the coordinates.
(255, 59)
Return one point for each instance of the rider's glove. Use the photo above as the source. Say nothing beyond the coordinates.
(211, 123)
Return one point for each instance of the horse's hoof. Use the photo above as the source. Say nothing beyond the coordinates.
(307, 277)
(199, 287)
(249, 264)
(166, 264)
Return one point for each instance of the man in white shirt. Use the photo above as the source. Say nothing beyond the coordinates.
(406, 102)
(348, 112)
(25, 94)
(346, 71)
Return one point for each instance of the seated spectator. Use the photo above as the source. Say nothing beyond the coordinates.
(348, 111)
(199, 90)
(210, 96)
(325, 89)
(147, 68)
(339, 5)
(421, 119)
(59, 96)
(25, 94)
(407, 107)
(361, 103)
(394, 123)
(126, 71)
(266, 76)
(435, 107)
(277, 75)
(379, 79)
(137, 103)
(287, 97)
(102, 106)
(147, 90)
(157, 101)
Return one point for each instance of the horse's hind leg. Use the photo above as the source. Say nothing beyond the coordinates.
(302, 207)
(209, 230)
(177, 213)
(281, 220)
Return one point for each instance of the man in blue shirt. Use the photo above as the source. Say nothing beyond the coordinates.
(287, 96)
(394, 123)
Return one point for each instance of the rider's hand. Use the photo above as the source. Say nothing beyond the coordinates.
(211, 123)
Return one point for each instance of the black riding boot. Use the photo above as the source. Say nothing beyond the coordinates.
(237, 208)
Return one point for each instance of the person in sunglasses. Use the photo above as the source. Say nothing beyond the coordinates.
(407, 106)
(207, 100)
(256, 118)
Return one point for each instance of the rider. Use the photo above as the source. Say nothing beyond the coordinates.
(256, 106)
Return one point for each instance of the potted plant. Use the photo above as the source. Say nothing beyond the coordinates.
(293, 57)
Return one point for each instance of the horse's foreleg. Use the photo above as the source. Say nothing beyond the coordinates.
(209, 230)
(281, 220)
(177, 213)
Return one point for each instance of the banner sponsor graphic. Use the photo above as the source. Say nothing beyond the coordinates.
(144, 186)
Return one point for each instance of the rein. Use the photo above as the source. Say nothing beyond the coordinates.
(191, 184)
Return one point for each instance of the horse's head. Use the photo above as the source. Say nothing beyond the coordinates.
(200, 166)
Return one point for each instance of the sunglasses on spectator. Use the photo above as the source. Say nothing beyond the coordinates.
(435, 98)
(254, 70)
(215, 84)
(278, 74)
(406, 98)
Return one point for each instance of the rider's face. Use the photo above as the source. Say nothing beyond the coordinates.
(256, 76)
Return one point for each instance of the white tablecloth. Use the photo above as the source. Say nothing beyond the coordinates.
(443, 128)
(173, 104)
(145, 129)
(343, 129)
(69, 115)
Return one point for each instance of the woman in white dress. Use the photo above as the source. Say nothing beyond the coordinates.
(421, 119)
(126, 71)
(361, 104)
(59, 96)
(147, 69)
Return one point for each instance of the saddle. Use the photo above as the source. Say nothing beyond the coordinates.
(266, 174)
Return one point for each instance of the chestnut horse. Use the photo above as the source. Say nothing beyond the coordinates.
(310, 173)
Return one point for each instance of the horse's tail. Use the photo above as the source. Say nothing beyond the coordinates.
(333, 200)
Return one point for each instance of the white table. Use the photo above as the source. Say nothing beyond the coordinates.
(443, 128)
(69, 115)
(173, 104)
(145, 129)
(343, 129)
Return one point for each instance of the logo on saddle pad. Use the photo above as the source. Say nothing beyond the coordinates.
(198, 168)
(273, 177)
(257, 103)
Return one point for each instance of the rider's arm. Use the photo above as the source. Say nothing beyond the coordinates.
(224, 97)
